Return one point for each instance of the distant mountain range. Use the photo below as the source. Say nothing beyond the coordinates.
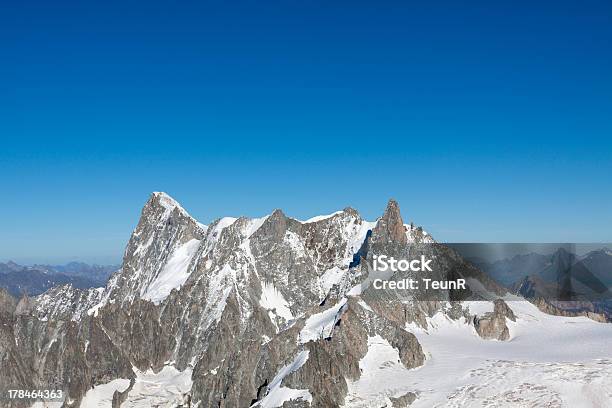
(36, 279)
(595, 266)
(563, 279)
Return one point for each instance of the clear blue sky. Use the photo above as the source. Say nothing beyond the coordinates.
(487, 121)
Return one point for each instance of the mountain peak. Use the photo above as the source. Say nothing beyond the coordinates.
(563, 254)
(164, 200)
(351, 211)
(277, 213)
(391, 226)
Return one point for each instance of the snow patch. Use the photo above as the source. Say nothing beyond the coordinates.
(356, 234)
(381, 369)
(321, 217)
(214, 232)
(277, 394)
(167, 388)
(294, 242)
(254, 224)
(272, 300)
(169, 204)
(321, 325)
(478, 307)
(101, 396)
(174, 274)
(330, 278)
(363, 304)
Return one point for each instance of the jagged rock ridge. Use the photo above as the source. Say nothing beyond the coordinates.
(262, 312)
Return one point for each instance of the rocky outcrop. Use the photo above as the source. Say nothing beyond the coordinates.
(492, 326)
(7, 302)
(404, 400)
(390, 226)
(572, 309)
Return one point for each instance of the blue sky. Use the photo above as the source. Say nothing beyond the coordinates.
(486, 121)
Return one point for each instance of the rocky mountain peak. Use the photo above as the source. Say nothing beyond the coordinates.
(160, 201)
(350, 211)
(563, 258)
(274, 226)
(390, 226)
(277, 213)
(165, 240)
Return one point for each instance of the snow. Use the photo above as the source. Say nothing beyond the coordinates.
(277, 394)
(295, 243)
(93, 311)
(224, 223)
(321, 217)
(380, 368)
(356, 234)
(216, 297)
(355, 290)
(174, 274)
(143, 247)
(47, 404)
(101, 396)
(411, 232)
(548, 359)
(167, 388)
(254, 225)
(215, 232)
(272, 300)
(330, 278)
(321, 325)
(169, 204)
(65, 300)
(363, 304)
(479, 308)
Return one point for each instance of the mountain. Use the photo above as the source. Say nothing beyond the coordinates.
(559, 276)
(570, 285)
(568, 277)
(274, 311)
(97, 273)
(36, 279)
(599, 262)
(10, 266)
(509, 271)
(34, 282)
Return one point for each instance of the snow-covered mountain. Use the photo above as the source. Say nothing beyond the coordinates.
(273, 311)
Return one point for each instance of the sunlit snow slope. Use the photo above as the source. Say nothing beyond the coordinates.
(550, 361)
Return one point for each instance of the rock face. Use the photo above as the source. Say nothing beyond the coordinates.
(263, 312)
(390, 227)
(404, 400)
(493, 325)
(572, 309)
